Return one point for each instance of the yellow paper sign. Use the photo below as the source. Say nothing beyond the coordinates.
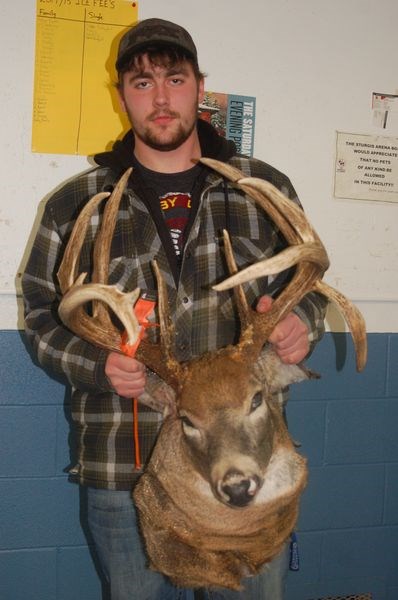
(75, 105)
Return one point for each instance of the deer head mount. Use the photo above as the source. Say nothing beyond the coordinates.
(221, 492)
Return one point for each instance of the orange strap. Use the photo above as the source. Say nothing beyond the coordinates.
(142, 310)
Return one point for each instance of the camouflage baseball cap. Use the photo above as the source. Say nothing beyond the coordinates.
(153, 31)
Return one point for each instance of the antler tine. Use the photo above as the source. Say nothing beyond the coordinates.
(160, 356)
(353, 318)
(102, 245)
(93, 329)
(104, 239)
(67, 271)
(166, 326)
(241, 300)
(272, 266)
(99, 328)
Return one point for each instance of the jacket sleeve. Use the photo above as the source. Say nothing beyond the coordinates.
(56, 347)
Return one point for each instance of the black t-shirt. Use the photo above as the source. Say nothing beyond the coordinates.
(174, 193)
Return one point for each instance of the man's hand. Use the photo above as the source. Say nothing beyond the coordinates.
(290, 336)
(126, 374)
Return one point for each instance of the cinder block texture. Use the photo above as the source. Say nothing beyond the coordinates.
(346, 424)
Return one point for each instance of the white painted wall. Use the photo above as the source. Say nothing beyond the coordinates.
(312, 66)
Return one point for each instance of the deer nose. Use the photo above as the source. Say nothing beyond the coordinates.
(239, 489)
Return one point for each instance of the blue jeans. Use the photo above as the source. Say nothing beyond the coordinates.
(113, 524)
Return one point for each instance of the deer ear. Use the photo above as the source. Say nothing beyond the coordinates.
(270, 370)
(158, 395)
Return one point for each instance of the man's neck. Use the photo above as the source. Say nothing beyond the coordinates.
(171, 161)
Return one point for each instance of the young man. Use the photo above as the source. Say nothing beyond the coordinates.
(173, 210)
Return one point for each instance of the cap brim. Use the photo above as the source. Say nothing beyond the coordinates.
(127, 55)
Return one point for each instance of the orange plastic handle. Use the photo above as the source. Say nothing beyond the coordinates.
(142, 310)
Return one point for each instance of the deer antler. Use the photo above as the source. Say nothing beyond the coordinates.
(160, 357)
(306, 252)
(98, 328)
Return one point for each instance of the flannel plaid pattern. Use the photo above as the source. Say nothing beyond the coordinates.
(204, 320)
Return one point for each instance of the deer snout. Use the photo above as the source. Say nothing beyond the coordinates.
(238, 489)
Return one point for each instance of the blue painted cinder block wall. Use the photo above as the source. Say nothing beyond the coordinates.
(348, 528)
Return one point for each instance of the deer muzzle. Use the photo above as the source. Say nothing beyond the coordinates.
(238, 489)
(237, 480)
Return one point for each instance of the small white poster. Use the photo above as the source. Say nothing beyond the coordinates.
(385, 109)
(366, 167)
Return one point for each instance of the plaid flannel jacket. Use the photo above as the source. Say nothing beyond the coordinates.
(204, 320)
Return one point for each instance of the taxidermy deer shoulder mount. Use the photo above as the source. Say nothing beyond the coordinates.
(220, 495)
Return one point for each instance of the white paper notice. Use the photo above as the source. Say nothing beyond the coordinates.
(366, 167)
(385, 102)
(385, 109)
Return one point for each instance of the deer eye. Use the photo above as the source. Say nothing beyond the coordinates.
(187, 422)
(257, 400)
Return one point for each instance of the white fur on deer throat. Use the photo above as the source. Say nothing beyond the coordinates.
(280, 477)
